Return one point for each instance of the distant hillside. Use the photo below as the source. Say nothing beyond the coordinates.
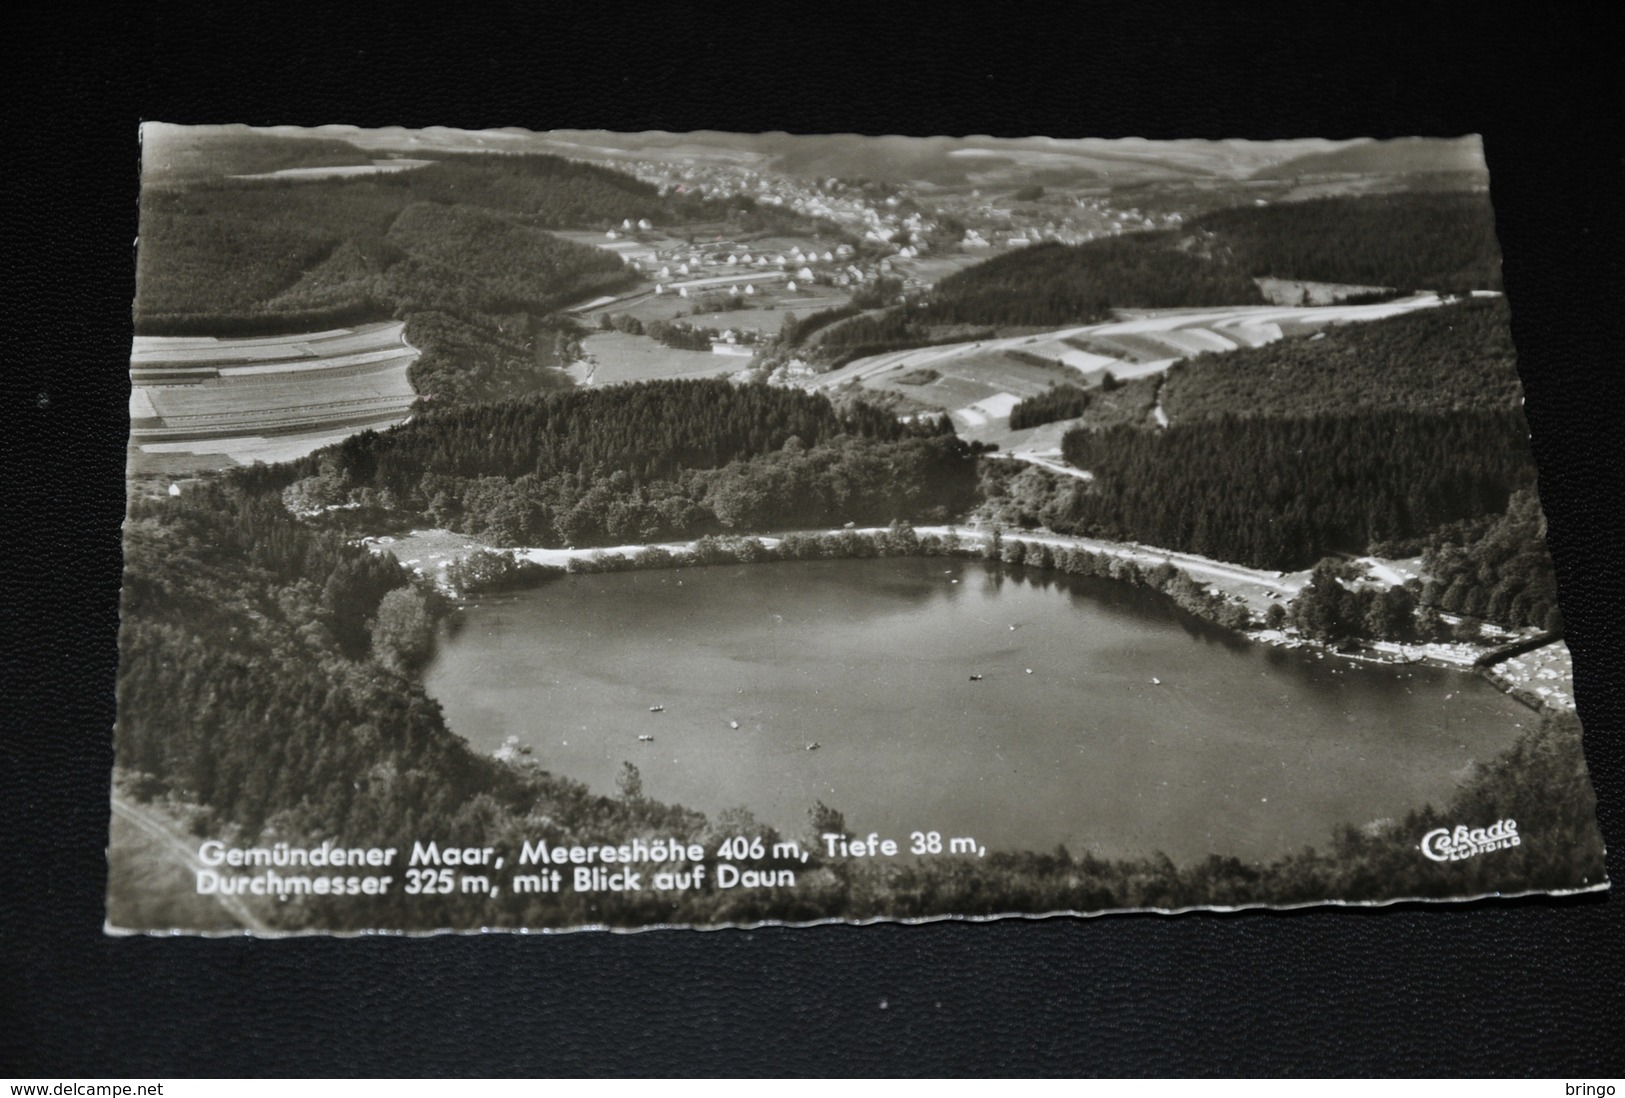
(1078, 284)
(1400, 156)
(224, 252)
(1440, 242)
(173, 153)
(1455, 358)
(220, 260)
(947, 160)
(1412, 241)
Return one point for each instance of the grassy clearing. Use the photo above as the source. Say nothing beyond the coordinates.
(619, 358)
(970, 377)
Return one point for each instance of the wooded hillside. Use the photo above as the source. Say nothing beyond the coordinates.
(1442, 242)
(1457, 356)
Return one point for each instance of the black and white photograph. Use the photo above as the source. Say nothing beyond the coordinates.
(554, 530)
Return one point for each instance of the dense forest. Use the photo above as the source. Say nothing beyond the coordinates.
(1054, 284)
(1393, 436)
(1442, 242)
(478, 357)
(642, 462)
(250, 678)
(1058, 402)
(1490, 569)
(1281, 493)
(1503, 575)
(215, 257)
(1454, 357)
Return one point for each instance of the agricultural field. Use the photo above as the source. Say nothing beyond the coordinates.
(199, 403)
(963, 378)
(615, 358)
(978, 382)
(762, 311)
(933, 267)
(641, 247)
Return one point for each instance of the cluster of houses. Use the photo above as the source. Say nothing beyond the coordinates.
(721, 262)
(888, 222)
(881, 220)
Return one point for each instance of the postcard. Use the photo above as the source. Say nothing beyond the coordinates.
(541, 531)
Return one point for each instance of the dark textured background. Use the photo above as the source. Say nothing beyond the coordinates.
(1526, 987)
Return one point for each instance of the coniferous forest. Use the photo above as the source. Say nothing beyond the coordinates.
(1059, 402)
(1281, 493)
(642, 463)
(1455, 357)
(1054, 284)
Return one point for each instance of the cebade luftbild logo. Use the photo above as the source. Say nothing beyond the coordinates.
(1445, 845)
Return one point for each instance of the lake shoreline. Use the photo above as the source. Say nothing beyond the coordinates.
(429, 552)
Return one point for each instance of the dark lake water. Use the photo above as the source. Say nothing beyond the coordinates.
(1242, 749)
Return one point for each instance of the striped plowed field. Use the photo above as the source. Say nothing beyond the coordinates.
(211, 398)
